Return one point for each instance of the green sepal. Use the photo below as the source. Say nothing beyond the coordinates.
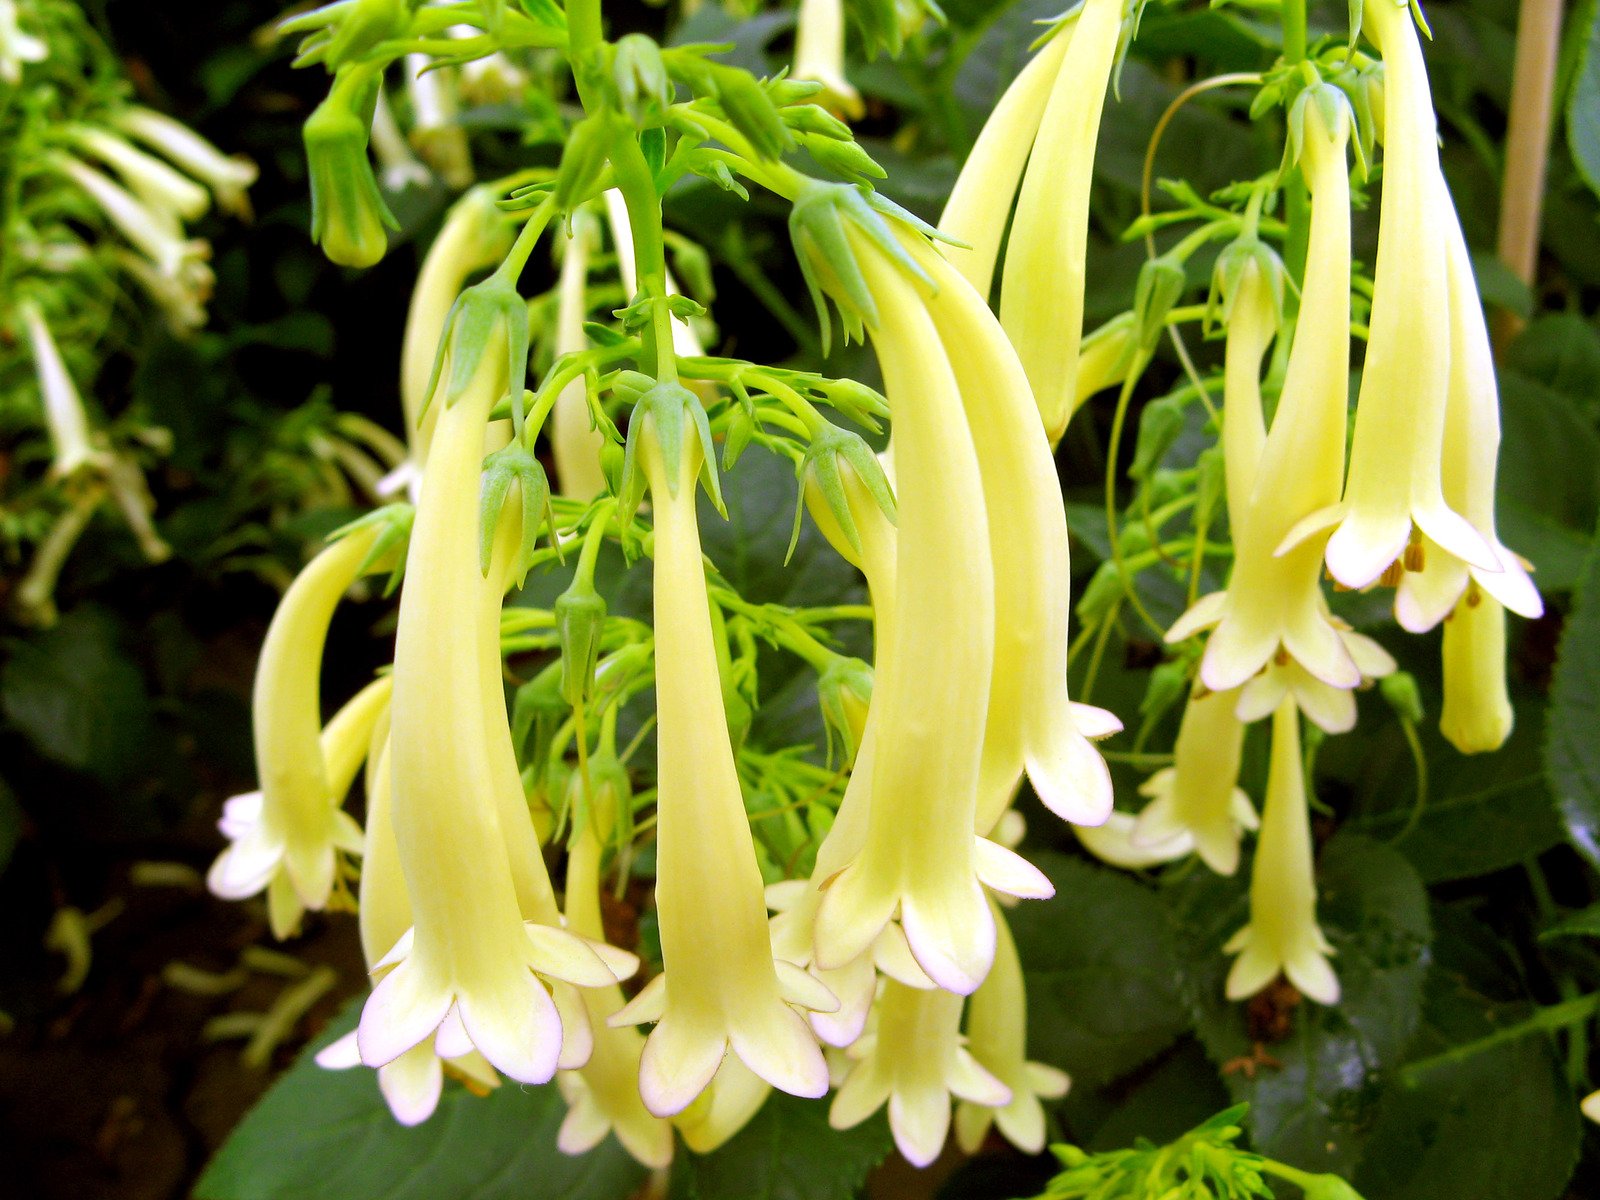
(1243, 254)
(740, 431)
(664, 408)
(844, 691)
(538, 708)
(845, 158)
(1161, 284)
(393, 522)
(513, 463)
(580, 614)
(364, 25)
(854, 400)
(640, 76)
(472, 321)
(1400, 692)
(822, 467)
(586, 156)
(1160, 425)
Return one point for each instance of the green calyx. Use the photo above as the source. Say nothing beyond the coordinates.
(662, 413)
(580, 614)
(480, 311)
(513, 463)
(388, 550)
(844, 690)
(348, 214)
(832, 452)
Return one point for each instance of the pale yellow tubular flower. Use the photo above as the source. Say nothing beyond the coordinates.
(1031, 722)
(819, 55)
(1104, 359)
(1477, 715)
(1042, 282)
(1283, 934)
(467, 970)
(435, 133)
(152, 180)
(155, 233)
(603, 1097)
(398, 167)
(920, 856)
(721, 985)
(1114, 843)
(72, 446)
(412, 1084)
(575, 445)
(228, 177)
(724, 1108)
(796, 901)
(17, 47)
(1252, 319)
(914, 1061)
(1199, 795)
(1274, 607)
(1471, 447)
(287, 838)
(475, 235)
(980, 203)
(1393, 483)
(997, 1038)
(1331, 709)
(1591, 1106)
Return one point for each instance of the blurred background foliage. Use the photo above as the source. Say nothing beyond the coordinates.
(1455, 913)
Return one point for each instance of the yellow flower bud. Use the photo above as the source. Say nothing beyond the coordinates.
(1476, 716)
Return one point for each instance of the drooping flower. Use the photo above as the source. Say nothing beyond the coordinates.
(155, 233)
(348, 213)
(1114, 843)
(1471, 446)
(1393, 486)
(435, 130)
(920, 856)
(1042, 281)
(721, 986)
(1331, 709)
(1283, 934)
(397, 165)
(287, 837)
(819, 55)
(574, 444)
(1477, 715)
(1031, 723)
(914, 1061)
(228, 177)
(980, 203)
(71, 444)
(152, 180)
(470, 969)
(997, 1039)
(1591, 1106)
(1274, 607)
(17, 47)
(1199, 795)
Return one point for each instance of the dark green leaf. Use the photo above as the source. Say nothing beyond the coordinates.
(1314, 1110)
(1103, 988)
(1583, 923)
(327, 1135)
(788, 1152)
(10, 824)
(1572, 755)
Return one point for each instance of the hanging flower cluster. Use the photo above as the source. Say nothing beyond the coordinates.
(828, 928)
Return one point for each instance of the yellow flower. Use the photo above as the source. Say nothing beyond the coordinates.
(1591, 1106)
(997, 1038)
(980, 203)
(228, 177)
(914, 1061)
(287, 837)
(723, 1109)
(72, 447)
(435, 129)
(1114, 843)
(1274, 606)
(1199, 795)
(1283, 934)
(1471, 445)
(819, 55)
(1031, 723)
(721, 985)
(1477, 715)
(1393, 483)
(467, 971)
(1331, 709)
(575, 445)
(17, 47)
(919, 854)
(1042, 282)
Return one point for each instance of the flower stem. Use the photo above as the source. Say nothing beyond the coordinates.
(1545, 1020)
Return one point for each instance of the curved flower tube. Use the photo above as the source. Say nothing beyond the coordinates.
(468, 969)
(156, 183)
(980, 203)
(997, 1038)
(1114, 843)
(1331, 709)
(721, 986)
(71, 445)
(1471, 447)
(1031, 722)
(1477, 714)
(1274, 604)
(1283, 934)
(575, 446)
(228, 176)
(920, 856)
(435, 132)
(1199, 795)
(913, 1061)
(1393, 484)
(819, 55)
(1042, 281)
(475, 235)
(287, 837)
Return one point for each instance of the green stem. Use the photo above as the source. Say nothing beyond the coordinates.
(1297, 198)
(584, 36)
(1545, 1020)
(638, 188)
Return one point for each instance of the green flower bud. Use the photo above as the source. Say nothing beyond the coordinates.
(640, 75)
(513, 463)
(537, 709)
(1161, 284)
(1328, 1187)
(367, 23)
(580, 621)
(1169, 683)
(821, 472)
(605, 806)
(1160, 424)
(1105, 589)
(845, 158)
(348, 214)
(1399, 688)
(584, 159)
(745, 103)
(664, 408)
(844, 690)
